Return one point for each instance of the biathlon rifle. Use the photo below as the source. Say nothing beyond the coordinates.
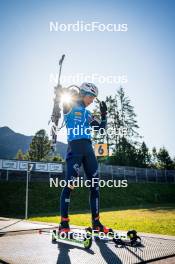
(56, 113)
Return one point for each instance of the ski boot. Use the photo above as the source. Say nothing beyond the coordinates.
(64, 225)
(98, 227)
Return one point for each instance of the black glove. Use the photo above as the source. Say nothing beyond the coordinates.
(103, 108)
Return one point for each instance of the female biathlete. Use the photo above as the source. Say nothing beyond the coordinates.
(80, 151)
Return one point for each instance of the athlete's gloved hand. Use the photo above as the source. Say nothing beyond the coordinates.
(103, 108)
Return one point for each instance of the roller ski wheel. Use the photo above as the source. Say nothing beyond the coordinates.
(87, 242)
(76, 237)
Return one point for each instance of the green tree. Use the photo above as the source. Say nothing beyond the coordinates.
(40, 146)
(164, 159)
(19, 155)
(57, 158)
(122, 119)
(123, 136)
(127, 116)
(26, 156)
(125, 154)
(143, 156)
(154, 160)
(113, 121)
(174, 163)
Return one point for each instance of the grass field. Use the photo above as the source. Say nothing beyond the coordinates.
(44, 200)
(158, 220)
(146, 207)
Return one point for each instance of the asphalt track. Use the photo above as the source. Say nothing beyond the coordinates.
(21, 243)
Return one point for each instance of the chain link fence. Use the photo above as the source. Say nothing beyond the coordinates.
(134, 174)
(131, 174)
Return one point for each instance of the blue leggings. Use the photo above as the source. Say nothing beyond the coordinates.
(81, 152)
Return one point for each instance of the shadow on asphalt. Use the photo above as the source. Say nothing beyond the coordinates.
(108, 255)
(64, 250)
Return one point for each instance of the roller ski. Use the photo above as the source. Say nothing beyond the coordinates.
(67, 235)
(123, 239)
(100, 232)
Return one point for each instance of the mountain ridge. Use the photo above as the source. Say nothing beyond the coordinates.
(11, 142)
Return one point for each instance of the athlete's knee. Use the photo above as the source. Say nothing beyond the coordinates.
(73, 170)
(72, 174)
(70, 186)
(70, 183)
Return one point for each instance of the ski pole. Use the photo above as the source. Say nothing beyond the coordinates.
(60, 64)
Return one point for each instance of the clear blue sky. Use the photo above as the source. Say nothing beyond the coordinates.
(29, 53)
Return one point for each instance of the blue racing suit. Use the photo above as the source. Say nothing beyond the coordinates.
(79, 121)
